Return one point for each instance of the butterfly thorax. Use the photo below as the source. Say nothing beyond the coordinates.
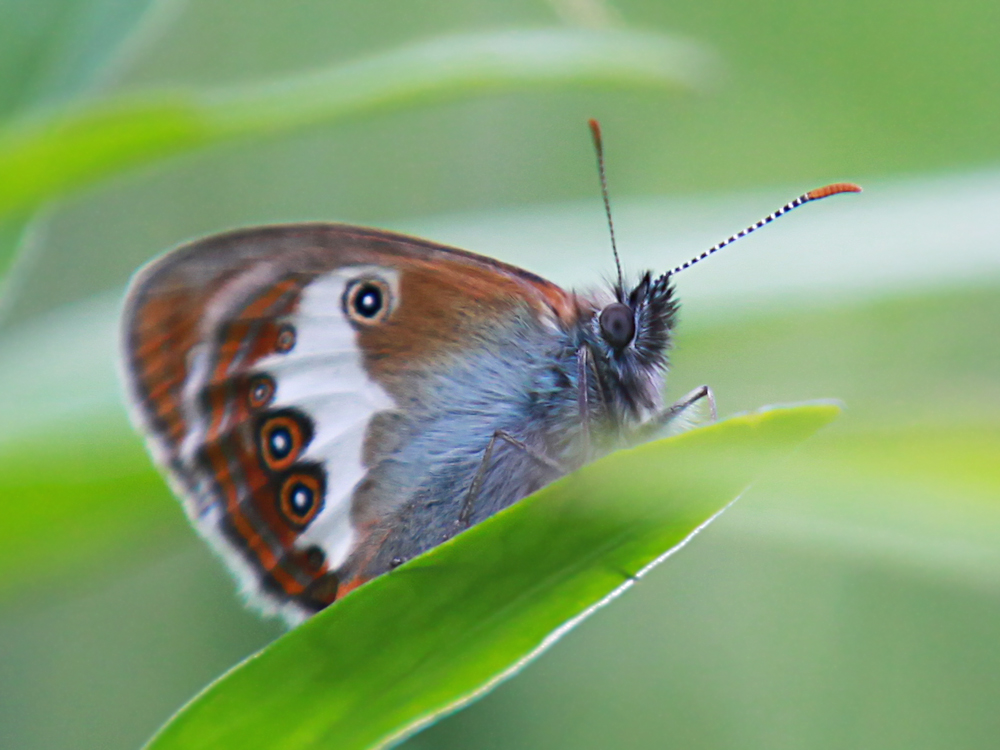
(523, 376)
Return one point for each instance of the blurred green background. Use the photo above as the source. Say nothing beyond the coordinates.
(852, 600)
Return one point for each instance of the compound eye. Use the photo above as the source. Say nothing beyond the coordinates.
(367, 301)
(617, 325)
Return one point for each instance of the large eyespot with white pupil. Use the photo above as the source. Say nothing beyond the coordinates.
(618, 325)
(283, 437)
(367, 301)
(301, 498)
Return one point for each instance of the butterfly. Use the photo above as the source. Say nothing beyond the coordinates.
(330, 401)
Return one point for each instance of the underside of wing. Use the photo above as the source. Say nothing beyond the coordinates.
(257, 386)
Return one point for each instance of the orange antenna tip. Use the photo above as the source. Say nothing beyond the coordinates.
(834, 189)
(595, 128)
(812, 195)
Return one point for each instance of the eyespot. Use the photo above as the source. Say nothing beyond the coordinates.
(282, 438)
(367, 301)
(301, 498)
(261, 392)
(617, 325)
(322, 592)
(315, 557)
(286, 339)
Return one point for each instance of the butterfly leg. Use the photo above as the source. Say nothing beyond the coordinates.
(585, 368)
(583, 362)
(663, 418)
(470, 499)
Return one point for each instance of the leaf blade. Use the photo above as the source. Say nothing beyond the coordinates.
(444, 628)
(47, 156)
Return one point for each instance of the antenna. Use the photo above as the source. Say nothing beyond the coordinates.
(812, 195)
(595, 130)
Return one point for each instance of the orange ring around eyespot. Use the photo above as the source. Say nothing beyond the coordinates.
(291, 514)
(261, 391)
(294, 430)
(285, 340)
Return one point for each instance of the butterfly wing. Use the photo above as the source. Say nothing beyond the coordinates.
(296, 384)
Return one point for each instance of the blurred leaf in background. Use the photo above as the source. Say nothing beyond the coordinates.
(851, 601)
(53, 52)
(44, 157)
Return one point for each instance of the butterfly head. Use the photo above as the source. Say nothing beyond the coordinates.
(632, 333)
(629, 338)
(637, 324)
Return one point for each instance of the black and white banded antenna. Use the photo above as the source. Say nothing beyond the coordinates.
(812, 195)
(595, 130)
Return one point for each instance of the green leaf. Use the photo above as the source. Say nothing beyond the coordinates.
(12, 233)
(98, 503)
(44, 157)
(447, 626)
(51, 50)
